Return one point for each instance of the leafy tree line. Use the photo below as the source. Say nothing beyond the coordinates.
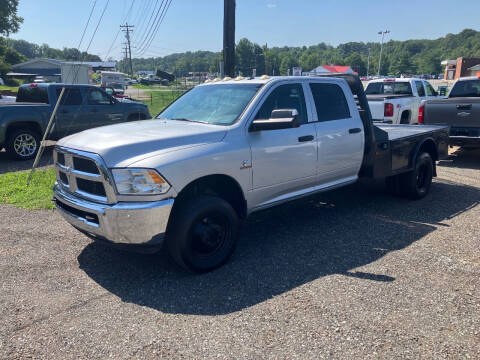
(399, 57)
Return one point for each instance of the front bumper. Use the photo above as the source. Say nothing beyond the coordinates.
(128, 223)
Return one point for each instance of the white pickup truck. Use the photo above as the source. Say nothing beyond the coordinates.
(229, 148)
(396, 101)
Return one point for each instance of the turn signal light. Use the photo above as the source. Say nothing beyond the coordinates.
(388, 110)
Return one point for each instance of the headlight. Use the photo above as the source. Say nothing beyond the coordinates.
(139, 182)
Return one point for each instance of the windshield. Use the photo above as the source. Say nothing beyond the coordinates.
(385, 88)
(468, 88)
(117, 86)
(220, 104)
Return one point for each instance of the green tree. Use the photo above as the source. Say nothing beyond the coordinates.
(357, 63)
(245, 56)
(9, 20)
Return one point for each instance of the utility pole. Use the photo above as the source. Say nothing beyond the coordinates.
(265, 49)
(368, 62)
(126, 29)
(381, 49)
(125, 63)
(229, 37)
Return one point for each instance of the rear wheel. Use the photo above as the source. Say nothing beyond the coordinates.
(416, 184)
(203, 233)
(22, 144)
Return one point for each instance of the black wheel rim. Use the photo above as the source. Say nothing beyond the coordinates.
(422, 177)
(209, 234)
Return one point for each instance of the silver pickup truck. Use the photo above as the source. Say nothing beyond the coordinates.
(229, 148)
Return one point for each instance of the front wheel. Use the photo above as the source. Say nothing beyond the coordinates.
(22, 144)
(203, 233)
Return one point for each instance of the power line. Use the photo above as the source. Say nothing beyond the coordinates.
(154, 33)
(118, 32)
(148, 27)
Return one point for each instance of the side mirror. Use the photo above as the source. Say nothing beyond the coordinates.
(279, 119)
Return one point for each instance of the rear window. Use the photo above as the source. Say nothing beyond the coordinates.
(389, 88)
(70, 96)
(35, 94)
(470, 88)
(330, 102)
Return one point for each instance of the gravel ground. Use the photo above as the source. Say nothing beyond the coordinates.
(350, 274)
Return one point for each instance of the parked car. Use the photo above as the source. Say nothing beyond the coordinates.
(396, 101)
(6, 99)
(225, 150)
(460, 110)
(82, 107)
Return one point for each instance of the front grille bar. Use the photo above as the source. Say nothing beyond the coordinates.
(67, 169)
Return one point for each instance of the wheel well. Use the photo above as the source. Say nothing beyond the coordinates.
(222, 186)
(429, 147)
(405, 115)
(24, 125)
(137, 116)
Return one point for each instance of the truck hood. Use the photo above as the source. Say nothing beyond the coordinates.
(123, 144)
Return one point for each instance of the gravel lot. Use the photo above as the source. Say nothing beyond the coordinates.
(350, 274)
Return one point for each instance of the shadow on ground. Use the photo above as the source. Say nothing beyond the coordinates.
(8, 165)
(462, 159)
(283, 248)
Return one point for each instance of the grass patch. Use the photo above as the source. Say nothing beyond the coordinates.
(15, 191)
(10, 88)
(160, 100)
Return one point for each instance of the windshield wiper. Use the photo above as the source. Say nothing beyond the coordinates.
(185, 119)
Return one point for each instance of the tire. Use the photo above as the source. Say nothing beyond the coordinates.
(23, 144)
(203, 233)
(416, 184)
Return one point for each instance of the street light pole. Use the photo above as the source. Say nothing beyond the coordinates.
(381, 49)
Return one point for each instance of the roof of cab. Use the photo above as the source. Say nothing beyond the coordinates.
(262, 80)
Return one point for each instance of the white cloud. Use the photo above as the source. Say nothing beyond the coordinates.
(271, 5)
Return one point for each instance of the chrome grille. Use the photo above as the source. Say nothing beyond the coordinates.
(84, 174)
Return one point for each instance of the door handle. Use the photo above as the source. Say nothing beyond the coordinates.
(94, 110)
(64, 111)
(305, 138)
(464, 106)
(354, 131)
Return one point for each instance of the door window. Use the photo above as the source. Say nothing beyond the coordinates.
(420, 89)
(285, 97)
(70, 96)
(430, 90)
(97, 97)
(330, 102)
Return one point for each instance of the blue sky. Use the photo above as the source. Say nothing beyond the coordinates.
(197, 24)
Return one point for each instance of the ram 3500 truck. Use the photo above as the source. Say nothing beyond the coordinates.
(23, 122)
(227, 149)
(396, 101)
(460, 110)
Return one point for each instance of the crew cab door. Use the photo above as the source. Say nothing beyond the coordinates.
(340, 132)
(102, 108)
(70, 117)
(283, 160)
